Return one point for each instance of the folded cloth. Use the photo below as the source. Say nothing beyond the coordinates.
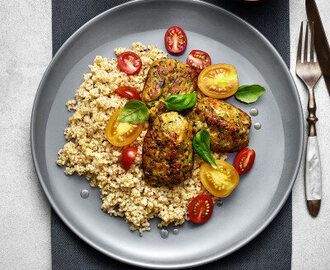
(272, 248)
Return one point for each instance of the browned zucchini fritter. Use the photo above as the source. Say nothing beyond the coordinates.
(228, 125)
(167, 77)
(167, 154)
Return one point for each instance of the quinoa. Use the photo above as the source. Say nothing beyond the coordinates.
(88, 152)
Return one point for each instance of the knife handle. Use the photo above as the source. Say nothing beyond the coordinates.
(313, 176)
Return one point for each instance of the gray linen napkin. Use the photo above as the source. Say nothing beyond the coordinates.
(272, 248)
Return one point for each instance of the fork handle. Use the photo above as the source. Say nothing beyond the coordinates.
(313, 174)
(311, 119)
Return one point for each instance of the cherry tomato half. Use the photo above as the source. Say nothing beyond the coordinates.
(219, 182)
(120, 133)
(244, 160)
(127, 157)
(198, 60)
(128, 92)
(218, 81)
(201, 208)
(129, 62)
(175, 40)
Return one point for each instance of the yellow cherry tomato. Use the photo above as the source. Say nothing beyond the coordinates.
(218, 81)
(219, 182)
(121, 133)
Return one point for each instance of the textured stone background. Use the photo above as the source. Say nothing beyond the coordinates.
(311, 236)
(25, 51)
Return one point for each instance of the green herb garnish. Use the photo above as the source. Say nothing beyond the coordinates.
(249, 93)
(134, 112)
(180, 102)
(201, 145)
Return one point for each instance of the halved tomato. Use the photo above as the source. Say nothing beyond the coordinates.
(175, 40)
(201, 208)
(120, 133)
(244, 160)
(198, 60)
(219, 182)
(129, 62)
(128, 92)
(218, 81)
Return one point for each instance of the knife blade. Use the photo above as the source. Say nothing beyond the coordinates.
(321, 41)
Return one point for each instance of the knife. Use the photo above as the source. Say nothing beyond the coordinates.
(321, 42)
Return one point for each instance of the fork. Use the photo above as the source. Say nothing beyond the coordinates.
(309, 72)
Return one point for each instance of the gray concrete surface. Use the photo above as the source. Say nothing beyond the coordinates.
(311, 236)
(25, 51)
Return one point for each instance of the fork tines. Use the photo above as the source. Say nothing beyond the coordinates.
(309, 25)
(307, 66)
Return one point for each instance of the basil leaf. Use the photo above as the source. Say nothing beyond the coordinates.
(180, 102)
(201, 145)
(134, 112)
(249, 93)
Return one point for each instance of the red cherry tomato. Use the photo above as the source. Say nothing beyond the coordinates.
(244, 160)
(175, 40)
(201, 208)
(198, 60)
(129, 62)
(127, 157)
(128, 92)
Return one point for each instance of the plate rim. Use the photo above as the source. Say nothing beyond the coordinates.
(155, 265)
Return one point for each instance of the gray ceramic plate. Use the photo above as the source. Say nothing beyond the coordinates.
(278, 144)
